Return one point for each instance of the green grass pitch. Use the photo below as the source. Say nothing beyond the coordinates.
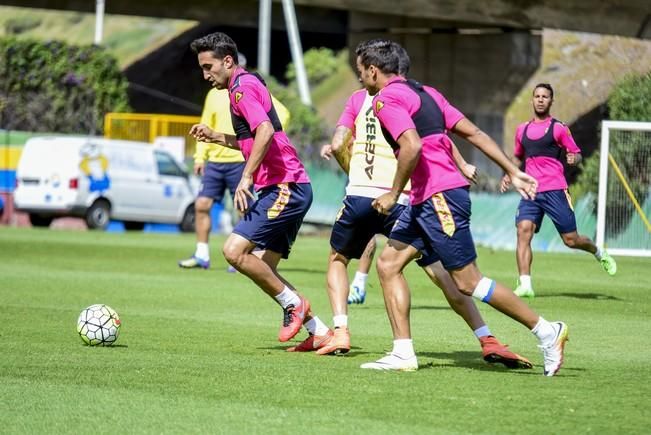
(197, 352)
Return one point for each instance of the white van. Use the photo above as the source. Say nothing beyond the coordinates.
(101, 179)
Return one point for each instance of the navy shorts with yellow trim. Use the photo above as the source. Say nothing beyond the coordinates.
(557, 204)
(217, 177)
(273, 221)
(440, 226)
(358, 222)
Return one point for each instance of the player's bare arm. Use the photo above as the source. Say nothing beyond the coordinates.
(523, 183)
(203, 133)
(468, 170)
(339, 147)
(410, 150)
(263, 136)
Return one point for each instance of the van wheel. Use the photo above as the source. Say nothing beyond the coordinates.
(134, 226)
(187, 223)
(38, 220)
(98, 215)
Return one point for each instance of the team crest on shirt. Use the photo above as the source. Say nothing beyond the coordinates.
(378, 106)
(238, 96)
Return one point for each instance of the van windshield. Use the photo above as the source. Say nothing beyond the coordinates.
(167, 165)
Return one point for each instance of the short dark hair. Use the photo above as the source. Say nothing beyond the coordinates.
(404, 62)
(545, 86)
(219, 43)
(382, 53)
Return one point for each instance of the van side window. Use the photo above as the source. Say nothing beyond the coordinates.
(167, 165)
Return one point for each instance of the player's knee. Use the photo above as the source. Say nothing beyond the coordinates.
(233, 254)
(525, 232)
(570, 240)
(484, 289)
(465, 284)
(387, 267)
(337, 257)
(202, 205)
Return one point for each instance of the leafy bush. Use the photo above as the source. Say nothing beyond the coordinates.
(319, 65)
(629, 101)
(306, 128)
(56, 87)
(15, 26)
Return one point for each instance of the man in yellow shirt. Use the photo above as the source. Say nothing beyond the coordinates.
(220, 168)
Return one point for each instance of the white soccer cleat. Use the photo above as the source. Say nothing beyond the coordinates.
(393, 362)
(553, 352)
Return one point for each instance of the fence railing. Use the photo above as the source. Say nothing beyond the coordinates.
(146, 127)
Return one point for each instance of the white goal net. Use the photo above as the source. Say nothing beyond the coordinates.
(624, 206)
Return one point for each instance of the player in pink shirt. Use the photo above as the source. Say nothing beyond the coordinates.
(367, 158)
(414, 119)
(270, 225)
(540, 144)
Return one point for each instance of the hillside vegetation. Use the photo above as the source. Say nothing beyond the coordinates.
(583, 68)
(127, 38)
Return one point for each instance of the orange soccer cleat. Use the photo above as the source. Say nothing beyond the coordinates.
(339, 345)
(496, 352)
(293, 317)
(312, 343)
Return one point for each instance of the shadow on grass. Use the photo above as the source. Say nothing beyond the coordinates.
(354, 350)
(302, 270)
(471, 360)
(461, 359)
(464, 359)
(113, 346)
(430, 307)
(594, 296)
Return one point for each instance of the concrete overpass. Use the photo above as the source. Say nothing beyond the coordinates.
(620, 17)
(478, 53)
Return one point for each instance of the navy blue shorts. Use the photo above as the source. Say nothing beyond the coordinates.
(272, 222)
(441, 226)
(217, 177)
(358, 222)
(557, 204)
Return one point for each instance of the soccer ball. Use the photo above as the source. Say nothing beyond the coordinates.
(98, 325)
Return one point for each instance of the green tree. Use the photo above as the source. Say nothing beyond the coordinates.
(56, 87)
(306, 128)
(629, 101)
(319, 65)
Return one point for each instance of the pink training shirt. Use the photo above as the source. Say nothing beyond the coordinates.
(351, 109)
(547, 170)
(435, 171)
(251, 100)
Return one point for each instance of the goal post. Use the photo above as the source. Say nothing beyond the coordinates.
(624, 202)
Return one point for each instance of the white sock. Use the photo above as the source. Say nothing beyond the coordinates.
(484, 331)
(340, 321)
(360, 280)
(598, 254)
(287, 297)
(544, 331)
(403, 347)
(525, 281)
(316, 327)
(202, 251)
